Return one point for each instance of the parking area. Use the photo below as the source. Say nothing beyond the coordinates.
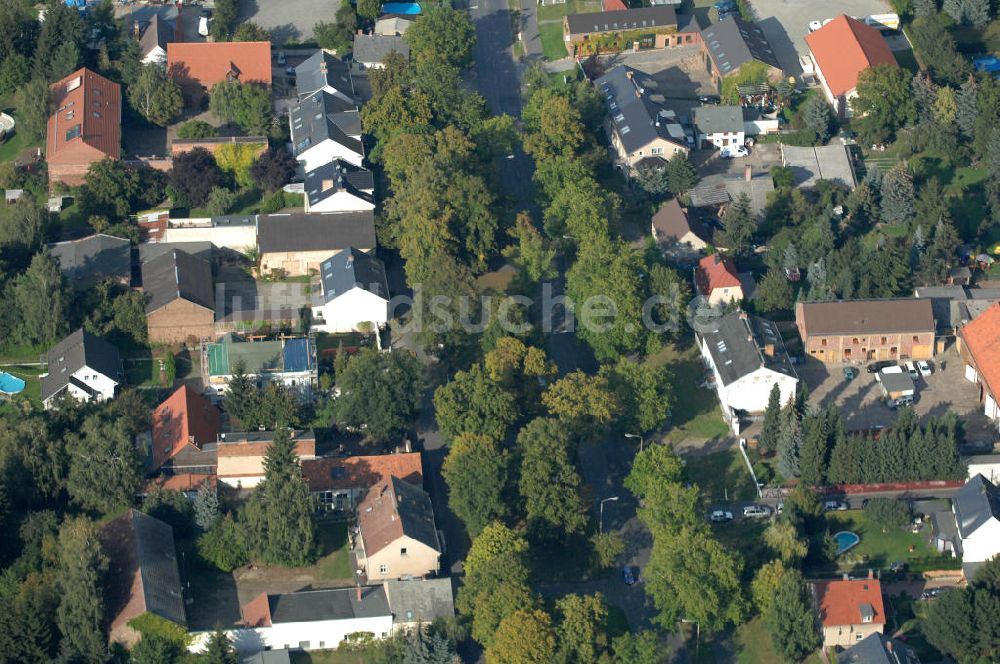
(763, 157)
(861, 402)
(288, 19)
(786, 23)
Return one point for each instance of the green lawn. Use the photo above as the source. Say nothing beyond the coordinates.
(752, 644)
(552, 12)
(695, 412)
(551, 35)
(880, 549)
(721, 475)
(32, 385)
(335, 563)
(144, 372)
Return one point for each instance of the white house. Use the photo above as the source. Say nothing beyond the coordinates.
(154, 39)
(747, 359)
(82, 366)
(719, 126)
(353, 291)
(338, 186)
(307, 620)
(977, 518)
(987, 465)
(324, 128)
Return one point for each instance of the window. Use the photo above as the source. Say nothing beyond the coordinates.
(859, 636)
(73, 132)
(822, 342)
(885, 340)
(402, 551)
(383, 569)
(854, 340)
(74, 84)
(322, 644)
(915, 338)
(657, 151)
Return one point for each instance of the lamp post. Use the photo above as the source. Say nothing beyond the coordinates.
(635, 435)
(697, 634)
(600, 528)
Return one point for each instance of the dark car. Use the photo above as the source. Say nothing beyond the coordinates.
(932, 593)
(875, 367)
(897, 566)
(627, 576)
(709, 99)
(850, 373)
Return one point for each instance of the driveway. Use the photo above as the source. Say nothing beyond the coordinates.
(288, 19)
(763, 157)
(786, 23)
(860, 400)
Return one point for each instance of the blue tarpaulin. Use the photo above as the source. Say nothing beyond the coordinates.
(989, 64)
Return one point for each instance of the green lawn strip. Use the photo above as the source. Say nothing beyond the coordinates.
(695, 412)
(142, 372)
(553, 12)
(752, 643)
(551, 35)
(720, 475)
(879, 549)
(335, 564)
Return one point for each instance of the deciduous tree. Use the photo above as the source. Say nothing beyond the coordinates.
(476, 470)
(884, 102)
(582, 629)
(524, 637)
(643, 391)
(549, 481)
(104, 470)
(246, 104)
(380, 392)
(41, 300)
(273, 169)
(444, 34)
(81, 566)
(472, 403)
(193, 177)
(154, 96)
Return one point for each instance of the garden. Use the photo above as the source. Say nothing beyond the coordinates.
(879, 547)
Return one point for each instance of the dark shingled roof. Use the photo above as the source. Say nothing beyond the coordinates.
(80, 349)
(420, 600)
(333, 604)
(369, 49)
(139, 545)
(636, 118)
(157, 33)
(866, 316)
(342, 176)
(150, 250)
(325, 116)
(333, 231)
(718, 119)
(976, 503)
(732, 42)
(177, 276)
(90, 260)
(736, 345)
(352, 268)
(323, 69)
(630, 19)
(878, 649)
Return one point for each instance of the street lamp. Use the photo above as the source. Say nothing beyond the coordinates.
(697, 634)
(635, 435)
(600, 528)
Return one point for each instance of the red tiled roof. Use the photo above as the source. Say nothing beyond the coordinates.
(614, 6)
(840, 602)
(208, 63)
(361, 471)
(982, 339)
(845, 47)
(716, 271)
(257, 612)
(87, 125)
(184, 418)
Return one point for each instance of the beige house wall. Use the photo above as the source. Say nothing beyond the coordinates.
(846, 636)
(420, 560)
(720, 296)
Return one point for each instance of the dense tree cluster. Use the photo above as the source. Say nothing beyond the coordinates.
(963, 622)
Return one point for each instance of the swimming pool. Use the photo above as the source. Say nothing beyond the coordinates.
(401, 8)
(845, 540)
(10, 384)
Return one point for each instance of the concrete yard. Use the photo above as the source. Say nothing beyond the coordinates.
(860, 400)
(786, 23)
(288, 19)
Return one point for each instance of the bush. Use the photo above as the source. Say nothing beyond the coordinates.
(236, 159)
(224, 545)
(888, 513)
(273, 169)
(196, 129)
(220, 202)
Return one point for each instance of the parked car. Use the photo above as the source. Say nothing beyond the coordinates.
(756, 511)
(850, 373)
(835, 506)
(725, 5)
(710, 99)
(912, 370)
(720, 516)
(731, 151)
(780, 508)
(899, 402)
(281, 58)
(875, 367)
(203, 26)
(627, 575)
(924, 368)
(897, 566)
(932, 593)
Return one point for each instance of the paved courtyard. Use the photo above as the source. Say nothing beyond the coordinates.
(288, 19)
(786, 23)
(861, 399)
(679, 73)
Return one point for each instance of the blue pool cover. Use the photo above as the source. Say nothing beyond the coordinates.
(10, 384)
(401, 8)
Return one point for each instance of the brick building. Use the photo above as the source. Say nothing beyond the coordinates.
(180, 303)
(86, 126)
(866, 330)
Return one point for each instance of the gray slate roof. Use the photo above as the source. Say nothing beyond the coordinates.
(323, 69)
(350, 269)
(630, 19)
(732, 42)
(420, 600)
(718, 119)
(878, 649)
(282, 656)
(333, 231)
(342, 176)
(954, 306)
(90, 260)
(638, 117)
(140, 544)
(415, 512)
(80, 349)
(737, 347)
(325, 116)
(204, 250)
(975, 504)
(177, 275)
(373, 49)
(333, 604)
(157, 33)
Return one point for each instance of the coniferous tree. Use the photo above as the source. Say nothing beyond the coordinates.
(815, 450)
(789, 442)
(898, 195)
(219, 650)
(967, 105)
(240, 399)
(206, 506)
(279, 513)
(681, 175)
(923, 8)
(738, 226)
(771, 428)
(790, 618)
(82, 564)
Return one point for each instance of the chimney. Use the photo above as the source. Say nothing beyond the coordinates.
(847, 577)
(747, 172)
(135, 29)
(871, 574)
(769, 350)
